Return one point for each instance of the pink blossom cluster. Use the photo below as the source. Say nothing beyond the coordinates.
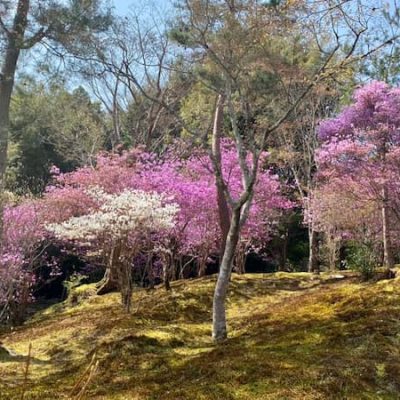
(187, 182)
(358, 158)
(23, 233)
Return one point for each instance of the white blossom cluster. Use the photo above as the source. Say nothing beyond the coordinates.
(118, 215)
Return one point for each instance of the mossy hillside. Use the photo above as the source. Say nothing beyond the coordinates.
(292, 336)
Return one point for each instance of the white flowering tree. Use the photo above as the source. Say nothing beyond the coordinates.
(121, 226)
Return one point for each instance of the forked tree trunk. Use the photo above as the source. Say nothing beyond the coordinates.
(219, 332)
(119, 275)
(387, 245)
(109, 282)
(223, 208)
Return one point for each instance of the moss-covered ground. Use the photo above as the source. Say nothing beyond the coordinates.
(292, 336)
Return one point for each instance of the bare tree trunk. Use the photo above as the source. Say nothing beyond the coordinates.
(153, 125)
(333, 245)
(221, 289)
(166, 273)
(313, 264)
(387, 245)
(123, 268)
(115, 116)
(110, 279)
(119, 272)
(223, 208)
(240, 259)
(15, 37)
(202, 265)
(125, 283)
(150, 272)
(342, 257)
(284, 253)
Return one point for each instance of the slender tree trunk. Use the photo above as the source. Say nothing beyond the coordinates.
(333, 246)
(153, 125)
(125, 283)
(124, 273)
(223, 208)
(313, 264)
(14, 39)
(310, 249)
(202, 265)
(166, 273)
(342, 257)
(116, 139)
(282, 266)
(387, 245)
(221, 289)
(150, 272)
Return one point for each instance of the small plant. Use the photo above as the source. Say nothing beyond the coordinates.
(363, 258)
(74, 281)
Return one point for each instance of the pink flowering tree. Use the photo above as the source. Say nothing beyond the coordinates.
(188, 182)
(191, 183)
(360, 158)
(120, 226)
(23, 244)
(343, 216)
(87, 210)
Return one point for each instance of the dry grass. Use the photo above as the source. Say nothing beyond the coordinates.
(292, 337)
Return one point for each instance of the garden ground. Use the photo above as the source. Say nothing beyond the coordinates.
(292, 336)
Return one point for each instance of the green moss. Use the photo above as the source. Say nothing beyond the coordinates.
(292, 336)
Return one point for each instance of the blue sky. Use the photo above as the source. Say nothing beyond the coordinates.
(122, 6)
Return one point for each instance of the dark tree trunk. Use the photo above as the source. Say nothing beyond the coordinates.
(342, 257)
(240, 260)
(387, 245)
(166, 272)
(14, 39)
(282, 265)
(167, 282)
(150, 272)
(125, 283)
(313, 262)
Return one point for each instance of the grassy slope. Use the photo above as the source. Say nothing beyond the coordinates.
(292, 337)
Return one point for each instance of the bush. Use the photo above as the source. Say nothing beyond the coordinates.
(363, 258)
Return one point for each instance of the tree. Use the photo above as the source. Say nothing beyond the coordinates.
(51, 126)
(22, 247)
(120, 227)
(25, 24)
(360, 152)
(234, 45)
(135, 72)
(182, 179)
